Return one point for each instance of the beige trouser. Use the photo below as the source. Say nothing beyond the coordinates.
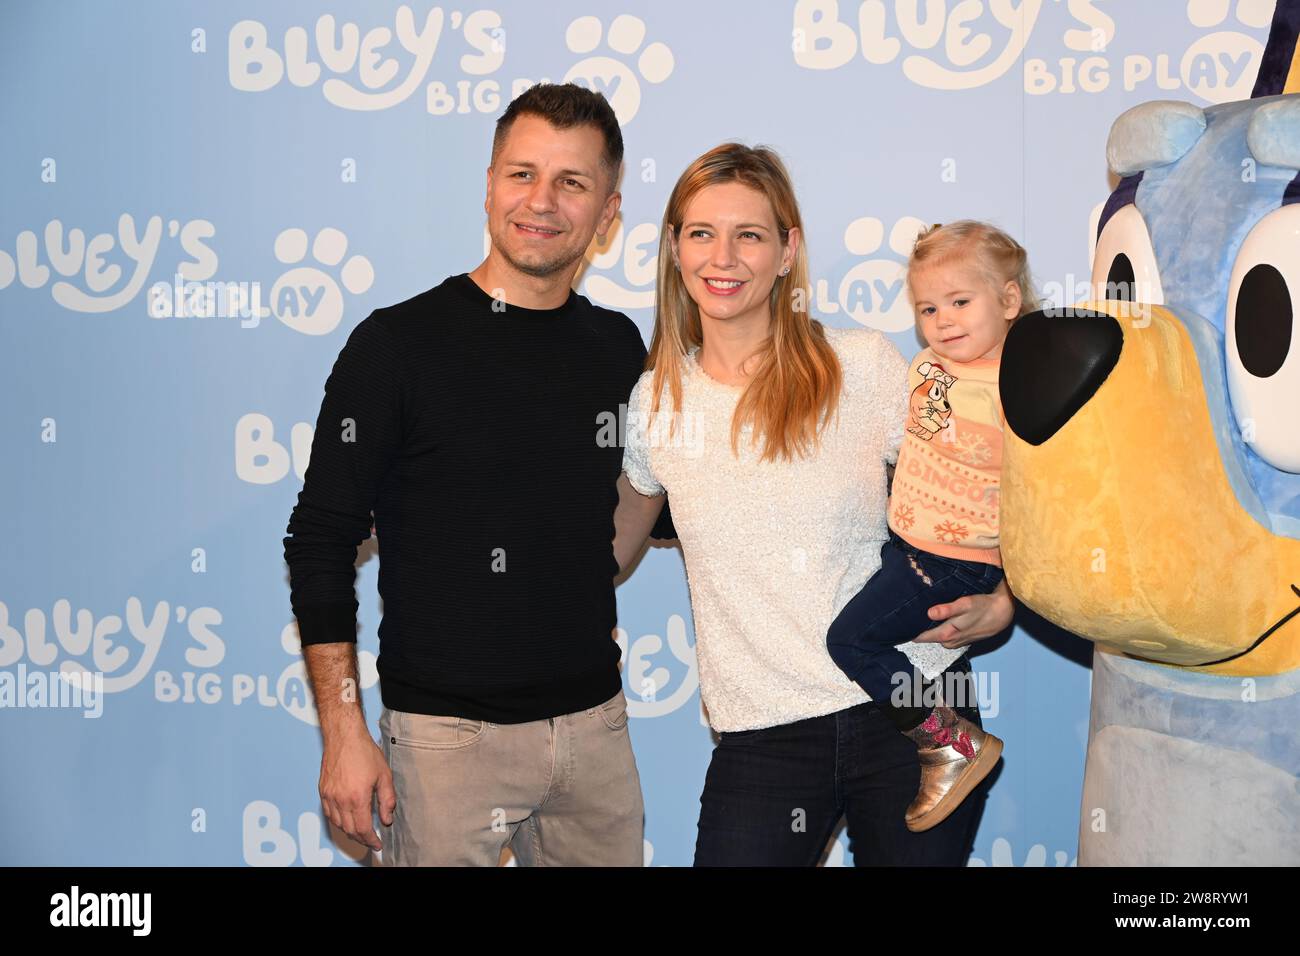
(563, 791)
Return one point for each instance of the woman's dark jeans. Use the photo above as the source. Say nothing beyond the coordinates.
(773, 797)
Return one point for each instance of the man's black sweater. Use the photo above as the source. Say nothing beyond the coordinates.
(478, 434)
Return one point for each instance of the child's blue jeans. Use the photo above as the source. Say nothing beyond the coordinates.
(892, 608)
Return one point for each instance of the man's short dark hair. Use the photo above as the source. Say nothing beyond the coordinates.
(564, 106)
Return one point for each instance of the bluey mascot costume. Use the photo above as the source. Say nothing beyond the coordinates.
(1151, 489)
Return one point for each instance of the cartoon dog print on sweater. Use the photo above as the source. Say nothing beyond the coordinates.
(929, 409)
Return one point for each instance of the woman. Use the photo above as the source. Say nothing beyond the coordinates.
(770, 433)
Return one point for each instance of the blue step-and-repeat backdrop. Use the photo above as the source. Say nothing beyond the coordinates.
(198, 201)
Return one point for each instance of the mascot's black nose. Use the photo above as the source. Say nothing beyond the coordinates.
(1053, 361)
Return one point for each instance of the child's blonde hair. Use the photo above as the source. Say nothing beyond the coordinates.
(999, 258)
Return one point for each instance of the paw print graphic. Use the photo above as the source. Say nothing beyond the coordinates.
(1221, 66)
(873, 292)
(1210, 13)
(612, 77)
(308, 299)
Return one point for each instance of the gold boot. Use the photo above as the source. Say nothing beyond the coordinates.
(955, 756)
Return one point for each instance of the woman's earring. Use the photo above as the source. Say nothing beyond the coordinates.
(785, 271)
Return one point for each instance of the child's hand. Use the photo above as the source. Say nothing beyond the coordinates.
(969, 619)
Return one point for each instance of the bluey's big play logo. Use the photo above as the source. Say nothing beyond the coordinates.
(964, 44)
(91, 282)
(822, 41)
(113, 654)
(255, 66)
(371, 72)
(107, 272)
(1217, 67)
(121, 658)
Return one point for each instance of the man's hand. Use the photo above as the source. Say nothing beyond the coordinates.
(970, 619)
(352, 770)
(634, 518)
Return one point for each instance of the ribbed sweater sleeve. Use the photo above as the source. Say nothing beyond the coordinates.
(358, 432)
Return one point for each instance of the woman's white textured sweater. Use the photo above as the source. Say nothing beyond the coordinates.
(775, 549)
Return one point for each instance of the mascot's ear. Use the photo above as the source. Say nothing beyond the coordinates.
(1153, 134)
(1274, 133)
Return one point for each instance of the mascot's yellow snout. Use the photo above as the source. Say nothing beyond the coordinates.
(1141, 549)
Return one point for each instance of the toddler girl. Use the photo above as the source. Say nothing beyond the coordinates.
(968, 282)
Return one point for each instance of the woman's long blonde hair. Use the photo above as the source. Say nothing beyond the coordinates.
(796, 388)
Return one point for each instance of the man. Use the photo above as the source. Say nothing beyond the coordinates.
(468, 420)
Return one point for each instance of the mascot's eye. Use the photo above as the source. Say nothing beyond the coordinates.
(1120, 279)
(1124, 266)
(1262, 341)
(1264, 316)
